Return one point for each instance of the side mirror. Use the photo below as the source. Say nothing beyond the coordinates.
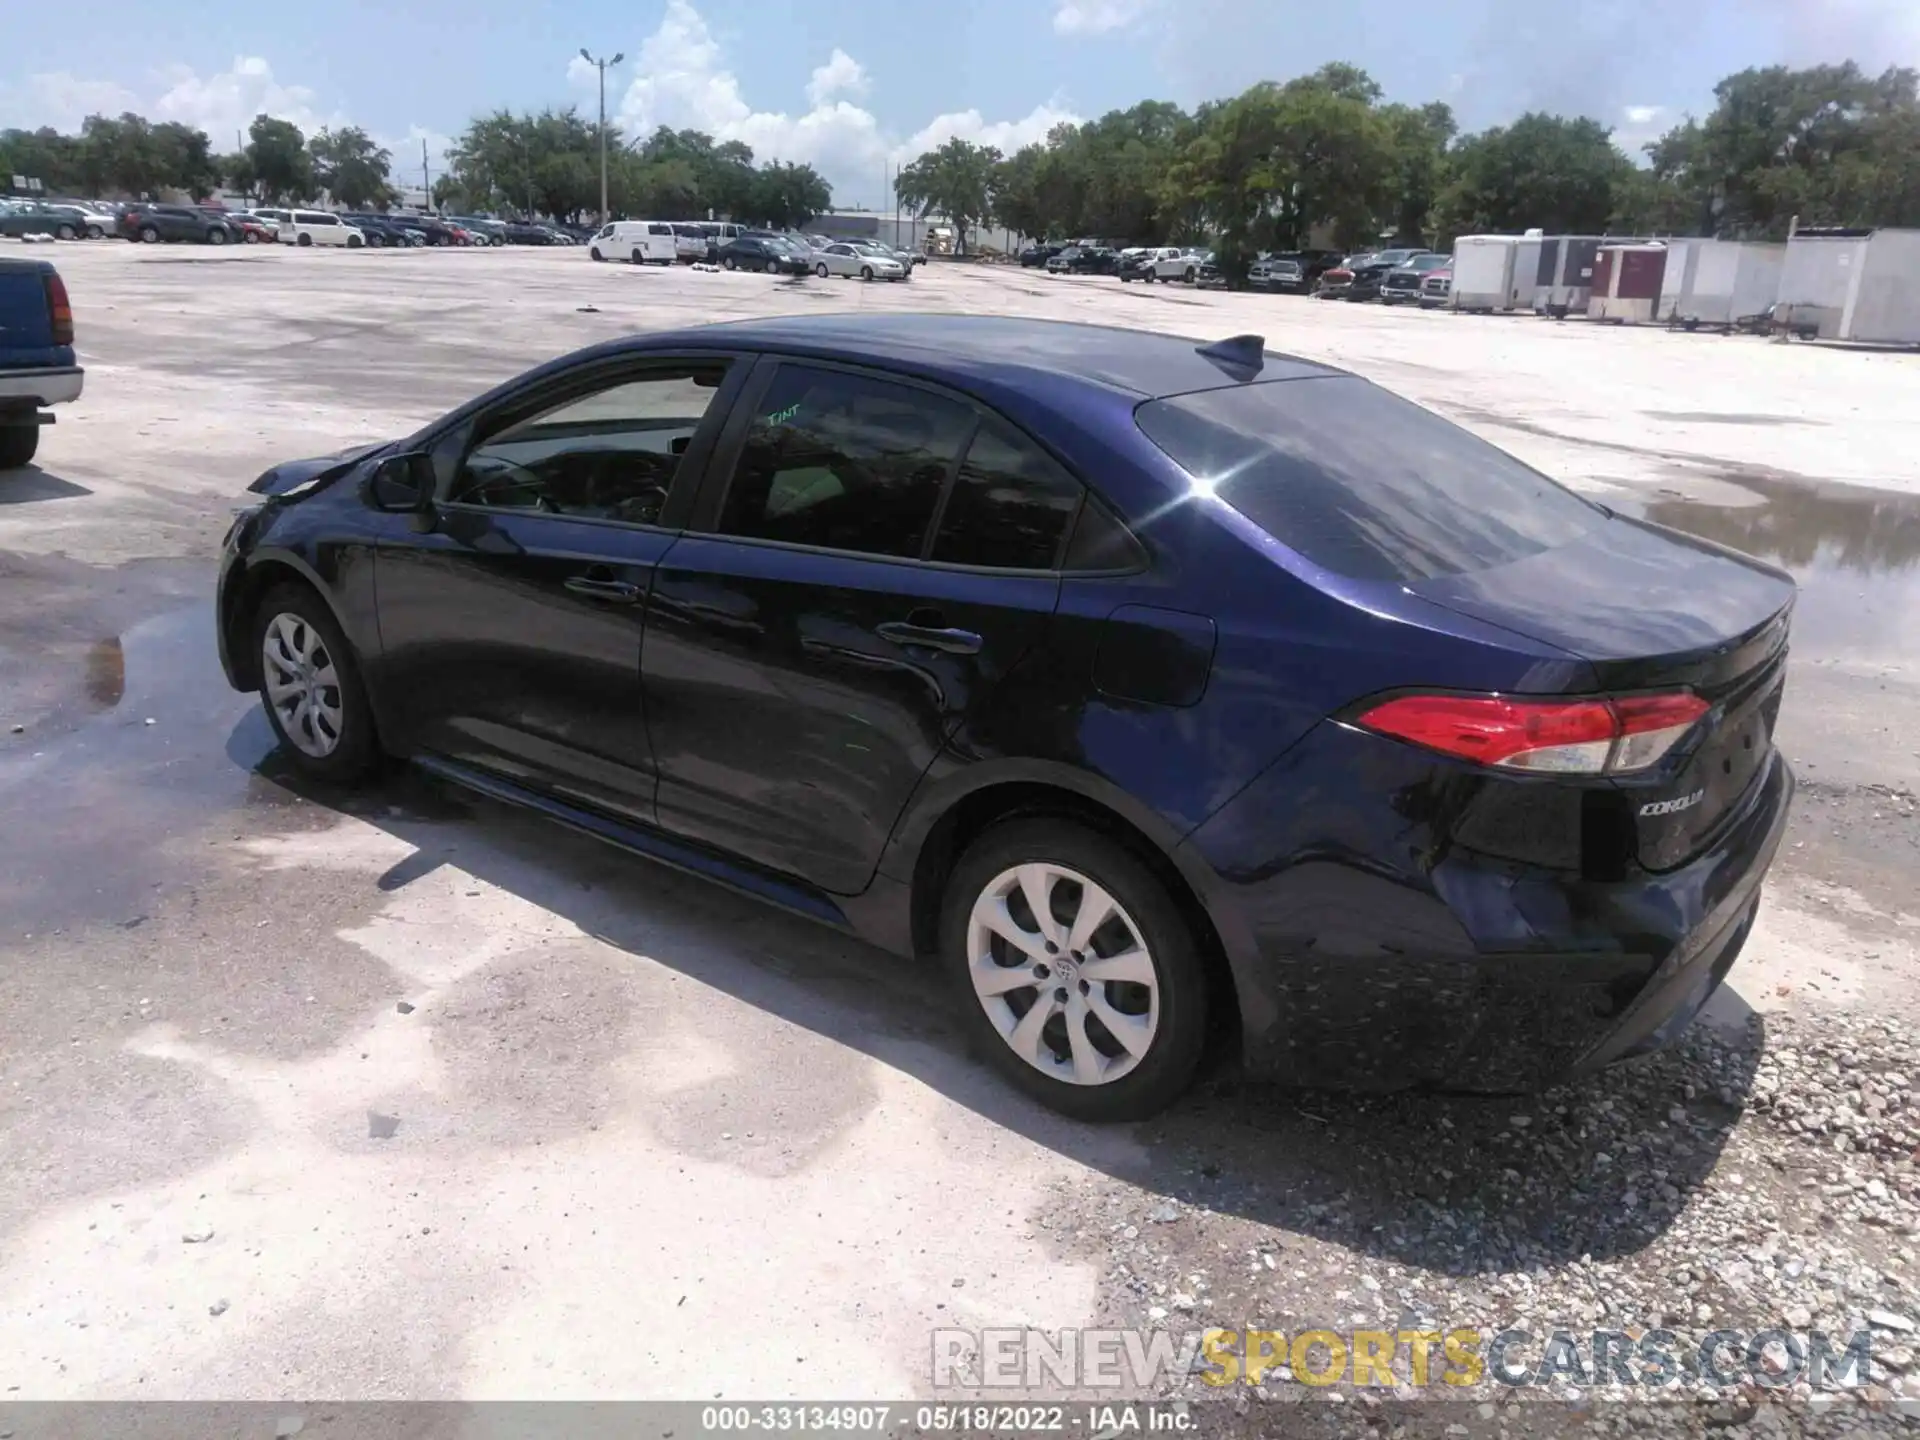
(401, 485)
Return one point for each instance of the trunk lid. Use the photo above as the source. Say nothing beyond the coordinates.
(1651, 609)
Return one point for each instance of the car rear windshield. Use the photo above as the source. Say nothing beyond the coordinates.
(1360, 482)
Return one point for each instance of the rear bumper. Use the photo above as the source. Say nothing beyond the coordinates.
(1372, 949)
(31, 389)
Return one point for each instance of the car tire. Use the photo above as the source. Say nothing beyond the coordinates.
(325, 730)
(593, 253)
(1167, 992)
(247, 237)
(17, 445)
(1191, 275)
(866, 272)
(376, 242)
(65, 232)
(727, 263)
(95, 232)
(303, 240)
(821, 270)
(149, 235)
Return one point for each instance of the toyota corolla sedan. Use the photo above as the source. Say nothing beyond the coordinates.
(1181, 702)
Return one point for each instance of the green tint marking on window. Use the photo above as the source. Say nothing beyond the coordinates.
(780, 417)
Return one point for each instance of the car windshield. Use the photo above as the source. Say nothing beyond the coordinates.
(1358, 481)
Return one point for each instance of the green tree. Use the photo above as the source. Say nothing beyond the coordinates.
(236, 171)
(350, 167)
(787, 197)
(955, 181)
(277, 153)
(1828, 144)
(1266, 167)
(56, 160)
(1421, 135)
(1543, 170)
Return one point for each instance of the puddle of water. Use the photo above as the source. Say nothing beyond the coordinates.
(1855, 552)
(106, 677)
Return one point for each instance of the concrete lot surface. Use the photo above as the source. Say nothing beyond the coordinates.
(398, 1094)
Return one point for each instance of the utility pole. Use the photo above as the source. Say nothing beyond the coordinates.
(601, 66)
(426, 182)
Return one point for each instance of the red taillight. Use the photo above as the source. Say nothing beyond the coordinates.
(59, 310)
(1562, 737)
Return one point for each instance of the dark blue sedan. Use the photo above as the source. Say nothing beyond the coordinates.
(1186, 701)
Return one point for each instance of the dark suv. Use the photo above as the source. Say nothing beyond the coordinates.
(154, 223)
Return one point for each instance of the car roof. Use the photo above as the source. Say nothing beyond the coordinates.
(1143, 363)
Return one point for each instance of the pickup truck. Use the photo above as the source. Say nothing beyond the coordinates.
(37, 366)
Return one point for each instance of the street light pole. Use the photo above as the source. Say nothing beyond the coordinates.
(601, 66)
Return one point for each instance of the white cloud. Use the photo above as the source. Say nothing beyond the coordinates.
(223, 104)
(680, 79)
(226, 103)
(1097, 17)
(62, 100)
(841, 73)
(1644, 124)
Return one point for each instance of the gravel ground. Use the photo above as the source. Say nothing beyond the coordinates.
(1747, 1180)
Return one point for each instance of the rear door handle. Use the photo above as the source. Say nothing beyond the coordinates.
(616, 592)
(954, 642)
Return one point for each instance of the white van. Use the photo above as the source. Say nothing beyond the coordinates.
(319, 227)
(644, 242)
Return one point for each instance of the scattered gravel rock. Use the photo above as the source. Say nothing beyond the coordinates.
(1747, 1181)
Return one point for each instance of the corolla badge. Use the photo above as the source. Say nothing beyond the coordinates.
(1673, 807)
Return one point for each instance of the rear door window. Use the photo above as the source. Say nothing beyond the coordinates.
(1360, 482)
(1010, 506)
(845, 462)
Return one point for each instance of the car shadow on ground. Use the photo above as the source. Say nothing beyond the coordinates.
(1449, 1183)
(23, 486)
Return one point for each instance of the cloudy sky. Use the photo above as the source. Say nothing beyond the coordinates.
(853, 86)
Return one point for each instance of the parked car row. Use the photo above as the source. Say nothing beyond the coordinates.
(153, 223)
(1365, 276)
(738, 247)
(60, 219)
(1394, 277)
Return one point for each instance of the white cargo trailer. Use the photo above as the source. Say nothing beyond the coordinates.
(1861, 285)
(1719, 282)
(1494, 272)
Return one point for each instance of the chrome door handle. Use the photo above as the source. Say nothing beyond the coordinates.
(617, 592)
(954, 642)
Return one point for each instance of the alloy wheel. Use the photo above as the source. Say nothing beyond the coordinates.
(302, 685)
(1063, 974)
